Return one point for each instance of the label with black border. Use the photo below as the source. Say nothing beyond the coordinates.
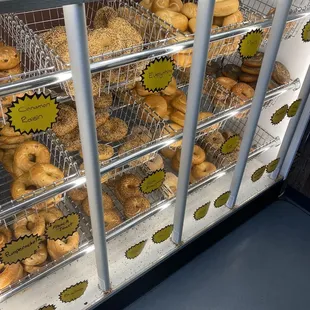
(162, 234)
(20, 249)
(230, 144)
(153, 181)
(157, 74)
(202, 211)
(305, 34)
(135, 250)
(292, 110)
(48, 307)
(63, 227)
(279, 115)
(250, 43)
(257, 174)
(221, 200)
(73, 292)
(33, 113)
(272, 165)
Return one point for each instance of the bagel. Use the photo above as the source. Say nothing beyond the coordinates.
(33, 224)
(141, 91)
(234, 18)
(104, 101)
(214, 140)
(172, 129)
(10, 274)
(135, 205)
(202, 170)
(231, 71)
(248, 78)
(157, 104)
(66, 120)
(29, 153)
(199, 155)
(178, 117)
(171, 88)
(101, 116)
(78, 194)
(50, 215)
(179, 102)
(105, 152)
(250, 70)
(156, 163)
(168, 152)
(114, 129)
(5, 236)
(280, 73)
(45, 174)
(225, 7)
(226, 82)
(129, 186)
(243, 91)
(9, 57)
(171, 183)
(38, 257)
(58, 248)
(189, 10)
(107, 204)
(255, 61)
(177, 20)
(175, 164)
(204, 115)
(111, 219)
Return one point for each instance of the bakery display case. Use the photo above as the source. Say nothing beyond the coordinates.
(131, 128)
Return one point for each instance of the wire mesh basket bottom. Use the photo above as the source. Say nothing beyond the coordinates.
(32, 24)
(59, 158)
(85, 240)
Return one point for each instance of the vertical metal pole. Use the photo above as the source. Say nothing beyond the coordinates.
(296, 139)
(272, 48)
(200, 53)
(303, 95)
(78, 48)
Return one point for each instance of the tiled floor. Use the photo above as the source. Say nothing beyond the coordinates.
(262, 265)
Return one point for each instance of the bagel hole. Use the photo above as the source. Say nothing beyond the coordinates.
(32, 158)
(31, 188)
(30, 225)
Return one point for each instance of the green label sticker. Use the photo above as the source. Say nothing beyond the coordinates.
(279, 115)
(258, 174)
(221, 200)
(305, 34)
(153, 181)
(162, 234)
(135, 250)
(73, 292)
(48, 307)
(20, 249)
(230, 144)
(33, 113)
(63, 227)
(158, 74)
(250, 43)
(202, 211)
(272, 165)
(292, 110)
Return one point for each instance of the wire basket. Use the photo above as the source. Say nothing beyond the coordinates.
(59, 158)
(253, 12)
(85, 240)
(33, 24)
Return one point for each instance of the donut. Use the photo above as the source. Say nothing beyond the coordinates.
(5, 236)
(105, 151)
(58, 248)
(199, 155)
(280, 73)
(78, 194)
(111, 219)
(226, 82)
(10, 274)
(50, 215)
(248, 78)
(135, 205)
(234, 18)
(72, 141)
(178, 117)
(102, 16)
(225, 7)
(107, 203)
(175, 164)
(155, 163)
(157, 104)
(179, 102)
(32, 224)
(168, 152)
(231, 71)
(9, 57)
(255, 61)
(171, 183)
(214, 139)
(101, 116)
(114, 129)
(250, 70)
(243, 91)
(171, 88)
(202, 170)
(29, 153)
(38, 257)
(129, 186)
(66, 120)
(103, 101)
(45, 174)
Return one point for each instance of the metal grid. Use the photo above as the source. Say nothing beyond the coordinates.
(50, 265)
(59, 158)
(135, 116)
(34, 23)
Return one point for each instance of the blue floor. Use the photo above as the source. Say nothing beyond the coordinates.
(262, 265)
